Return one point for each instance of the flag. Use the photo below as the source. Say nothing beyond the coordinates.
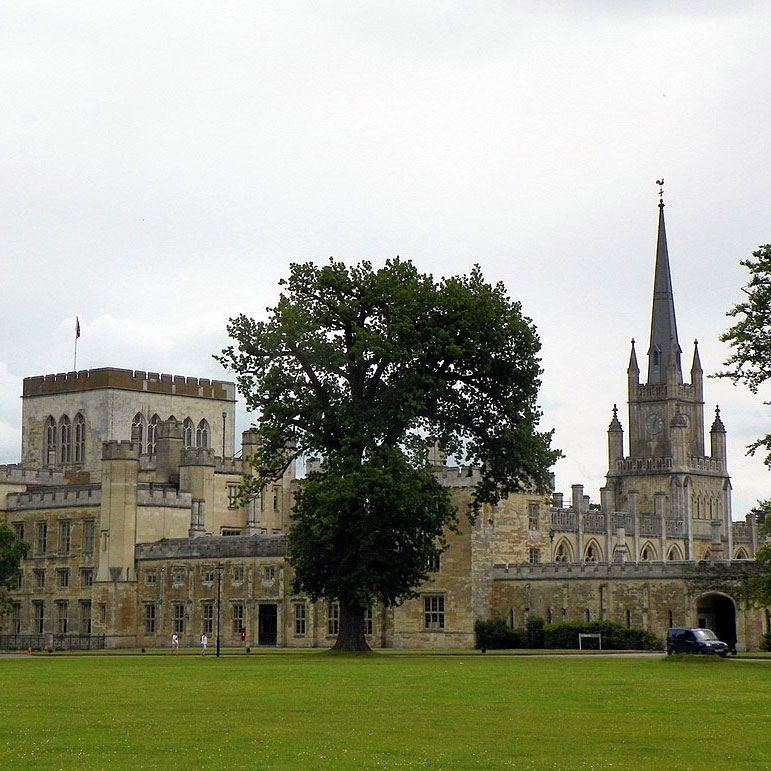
(77, 327)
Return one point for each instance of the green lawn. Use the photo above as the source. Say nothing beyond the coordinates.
(321, 711)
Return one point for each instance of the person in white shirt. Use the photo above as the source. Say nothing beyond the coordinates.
(174, 642)
(204, 643)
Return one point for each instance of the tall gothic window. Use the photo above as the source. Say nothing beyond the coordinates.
(138, 430)
(50, 451)
(65, 440)
(80, 438)
(152, 427)
(592, 553)
(187, 432)
(562, 554)
(202, 434)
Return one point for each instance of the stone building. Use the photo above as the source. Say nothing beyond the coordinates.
(127, 494)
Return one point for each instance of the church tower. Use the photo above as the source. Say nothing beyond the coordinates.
(666, 479)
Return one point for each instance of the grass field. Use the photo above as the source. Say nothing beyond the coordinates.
(321, 711)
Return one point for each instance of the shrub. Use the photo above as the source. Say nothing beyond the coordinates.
(534, 632)
(495, 634)
(614, 636)
(765, 641)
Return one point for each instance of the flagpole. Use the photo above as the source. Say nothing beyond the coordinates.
(77, 335)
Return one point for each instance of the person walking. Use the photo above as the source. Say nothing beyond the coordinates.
(174, 642)
(204, 643)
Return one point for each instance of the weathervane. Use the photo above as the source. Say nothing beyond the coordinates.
(660, 183)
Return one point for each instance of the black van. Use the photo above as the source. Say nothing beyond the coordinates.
(687, 639)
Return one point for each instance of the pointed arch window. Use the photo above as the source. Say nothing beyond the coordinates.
(138, 430)
(675, 554)
(741, 555)
(648, 554)
(592, 553)
(79, 446)
(65, 440)
(50, 434)
(202, 434)
(563, 552)
(187, 432)
(152, 428)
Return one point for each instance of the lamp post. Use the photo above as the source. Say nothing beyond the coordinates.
(219, 600)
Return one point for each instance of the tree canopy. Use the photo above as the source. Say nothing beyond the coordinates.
(757, 588)
(750, 336)
(366, 369)
(12, 552)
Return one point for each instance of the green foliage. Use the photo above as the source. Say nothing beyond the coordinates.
(757, 588)
(367, 368)
(495, 634)
(614, 636)
(534, 632)
(765, 641)
(750, 336)
(12, 552)
(344, 516)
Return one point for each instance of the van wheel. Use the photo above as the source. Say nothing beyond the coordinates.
(670, 651)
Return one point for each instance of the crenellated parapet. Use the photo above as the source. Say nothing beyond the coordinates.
(213, 547)
(162, 496)
(15, 474)
(56, 498)
(198, 456)
(128, 380)
(457, 476)
(120, 450)
(704, 570)
(228, 465)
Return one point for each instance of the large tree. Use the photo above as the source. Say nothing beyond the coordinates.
(366, 369)
(750, 336)
(757, 587)
(12, 552)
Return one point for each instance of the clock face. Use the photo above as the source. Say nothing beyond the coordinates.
(653, 423)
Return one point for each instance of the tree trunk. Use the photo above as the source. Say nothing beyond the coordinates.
(351, 635)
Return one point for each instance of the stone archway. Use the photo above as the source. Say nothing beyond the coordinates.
(718, 613)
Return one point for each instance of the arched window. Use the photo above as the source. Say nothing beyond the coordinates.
(648, 553)
(671, 618)
(202, 434)
(138, 430)
(548, 616)
(741, 555)
(563, 553)
(511, 618)
(588, 615)
(50, 450)
(65, 440)
(151, 429)
(628, 618)
(80, 438)
(171, 417)
(675, 553)
(187, 432)
(592, 553)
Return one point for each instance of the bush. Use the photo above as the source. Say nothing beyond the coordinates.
(614, 636)
(534, 632)
(495, 634)
(765, 641)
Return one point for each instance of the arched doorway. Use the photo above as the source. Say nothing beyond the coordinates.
(718, 613)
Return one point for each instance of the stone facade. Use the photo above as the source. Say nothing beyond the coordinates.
(127, 494)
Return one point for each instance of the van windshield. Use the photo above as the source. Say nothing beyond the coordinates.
(705, 634)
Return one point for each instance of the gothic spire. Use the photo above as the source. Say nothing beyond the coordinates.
(664, 345)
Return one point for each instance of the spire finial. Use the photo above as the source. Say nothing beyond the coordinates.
(615, 411)
(660, 183)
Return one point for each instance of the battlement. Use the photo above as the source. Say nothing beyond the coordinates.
(213, 547)
(665, 463)
(198, 456)
(659, 391)
(120, 450)
(162, 495)
(128, 380)
(688, 569)
(228, 465)
(56, 497)
(457, 476)
(18, 475)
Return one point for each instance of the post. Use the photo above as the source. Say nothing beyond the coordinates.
(219, 598)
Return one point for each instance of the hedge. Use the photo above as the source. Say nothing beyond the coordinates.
(496, 634)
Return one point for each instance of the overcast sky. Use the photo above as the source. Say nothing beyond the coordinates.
(163, 162)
